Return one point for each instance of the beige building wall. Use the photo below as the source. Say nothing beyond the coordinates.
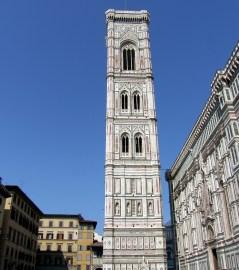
(64, 241)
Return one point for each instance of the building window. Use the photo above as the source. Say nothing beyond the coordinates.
(49, 235)
(138, 144)
(227, 92)
(125, 143)
(71, 224)
(60, 223)
(70, 236)
(60, 236)
(136, 101)
(124, 101)
(69, 249)
(129, 58)
(59, 247)
(48, 247)
(40, 235)
(50, 223)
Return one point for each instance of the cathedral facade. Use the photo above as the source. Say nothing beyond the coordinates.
(204, 180)
(133, 230)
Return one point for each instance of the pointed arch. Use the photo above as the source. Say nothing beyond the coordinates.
(125, 143)
(124, 99)
(128, 56)
(138, 143)
(136, 101)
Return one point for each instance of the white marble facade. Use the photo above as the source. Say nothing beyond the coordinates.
(133, 230)
(205, 180)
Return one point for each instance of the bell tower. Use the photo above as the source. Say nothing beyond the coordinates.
(133, 230)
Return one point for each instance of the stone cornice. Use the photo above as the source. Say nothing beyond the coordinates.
(220, 78)
(127, 16)
(195, 133)
(225, 76)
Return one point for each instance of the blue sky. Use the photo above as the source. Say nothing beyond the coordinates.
(53, 90)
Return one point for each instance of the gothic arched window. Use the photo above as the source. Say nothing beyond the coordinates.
(124, 101)
(138, 144)
(136, 101)
(125, 143)
(128, 57)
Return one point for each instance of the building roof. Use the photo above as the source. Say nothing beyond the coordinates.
(221, 77)
(16, 189)
(4, 192)
(127, 15)
(73, 216)
(76, 216)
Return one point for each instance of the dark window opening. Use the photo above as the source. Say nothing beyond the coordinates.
(136, 102)
(138, 144)
(124, 101)
(128, 59)
(125, 144)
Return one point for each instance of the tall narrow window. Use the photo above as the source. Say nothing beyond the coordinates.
(124, 59)
(125, 144)
(124, 101)
(128, 58)
(133, 59)
(138, 144)
(136, 101)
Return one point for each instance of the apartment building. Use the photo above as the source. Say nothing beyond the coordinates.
(64, 242)
(20, 223)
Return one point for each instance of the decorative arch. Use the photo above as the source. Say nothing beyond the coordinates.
(124, 100)
(129, 37)
(138, 129)
(125, 143)
(138, 143)
(128, 56)
(97, 267)
(137, 100)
